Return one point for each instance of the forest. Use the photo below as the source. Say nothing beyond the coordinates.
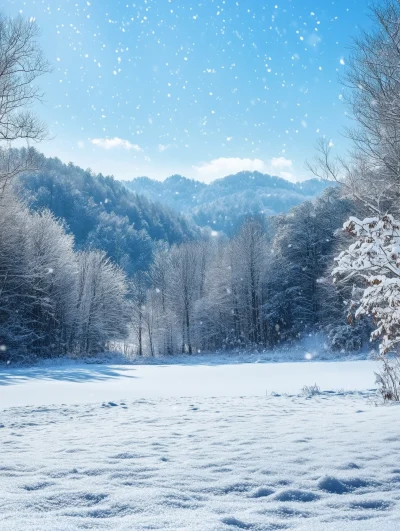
(98, 265)
(266, 285)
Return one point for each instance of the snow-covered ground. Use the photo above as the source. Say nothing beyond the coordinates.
(197, 448)
(83, 383)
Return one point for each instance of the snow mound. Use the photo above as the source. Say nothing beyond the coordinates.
(295, 495)
(262, 492)
(337, 486)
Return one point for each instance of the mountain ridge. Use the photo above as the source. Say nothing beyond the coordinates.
(224, 202)
(101, 213)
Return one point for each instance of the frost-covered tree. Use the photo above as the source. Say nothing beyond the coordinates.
(159, 278)
(249, 250)
(138, 295)
(373, 262)
(101, 306)
(185, 282)
(54, 301)
(37, 279)
(51, 272)
(371, 177)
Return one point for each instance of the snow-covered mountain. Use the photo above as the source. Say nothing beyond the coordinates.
(223, 203)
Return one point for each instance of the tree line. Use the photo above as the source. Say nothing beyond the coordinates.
(266, 285)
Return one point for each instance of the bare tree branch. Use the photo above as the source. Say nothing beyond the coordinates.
(21, 64)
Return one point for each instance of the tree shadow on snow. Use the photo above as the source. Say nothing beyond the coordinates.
(90, 373)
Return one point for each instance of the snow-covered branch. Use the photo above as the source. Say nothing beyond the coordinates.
(374, 259)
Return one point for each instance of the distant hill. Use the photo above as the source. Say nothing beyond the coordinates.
(102, 213)
(224, 203)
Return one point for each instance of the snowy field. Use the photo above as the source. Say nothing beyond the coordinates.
(83, 383)
(197, 448)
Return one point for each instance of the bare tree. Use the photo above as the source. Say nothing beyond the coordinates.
(185, 288)
(249, 248)
(138, 295)
(357, 180)
(21, 64)
(370, 173)
(152, 318)
(159, 275)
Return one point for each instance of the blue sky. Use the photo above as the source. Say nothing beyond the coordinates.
(202, 88)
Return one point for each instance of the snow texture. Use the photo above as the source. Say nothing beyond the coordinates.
(212, 462)
(202, 464)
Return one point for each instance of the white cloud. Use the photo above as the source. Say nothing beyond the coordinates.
(283, 167)
(217, 168)
(208, 171)
(287, 175)
(280, 163)
(111, 143)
